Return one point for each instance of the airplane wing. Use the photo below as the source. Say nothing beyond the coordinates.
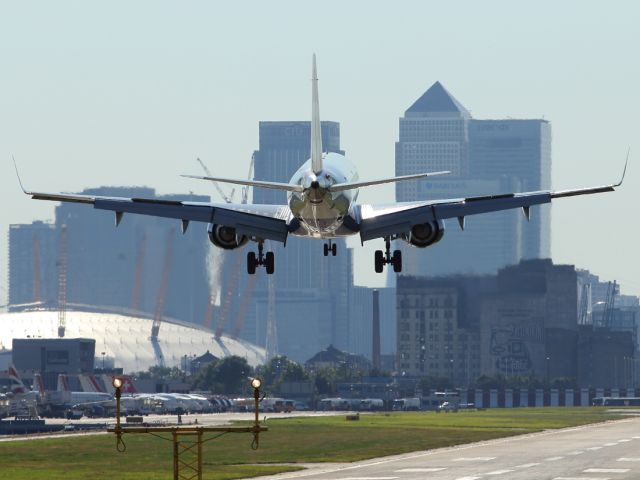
(267, 222)
(389, 220)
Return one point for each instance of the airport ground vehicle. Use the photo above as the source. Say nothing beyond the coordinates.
(406, 404)
(616, 402)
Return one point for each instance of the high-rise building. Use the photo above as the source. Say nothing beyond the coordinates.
(32, 263)
(518, 149)
(485, 157)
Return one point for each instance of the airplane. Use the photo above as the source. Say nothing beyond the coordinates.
(322, 204)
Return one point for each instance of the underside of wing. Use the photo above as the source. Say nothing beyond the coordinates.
(266, 222)
(380, 221)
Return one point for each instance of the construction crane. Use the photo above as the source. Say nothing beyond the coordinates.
(227, 199)
(36, 268)
(62, 282)
(137, 280)
(164, 286)
(242, 309)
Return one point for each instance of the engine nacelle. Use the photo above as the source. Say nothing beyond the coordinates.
(425, 234)
(226, 237)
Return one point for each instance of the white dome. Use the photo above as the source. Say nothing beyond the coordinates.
(126, 339)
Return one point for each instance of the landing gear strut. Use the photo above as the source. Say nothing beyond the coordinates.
(330, 247)
(383, 258)
(266, 259)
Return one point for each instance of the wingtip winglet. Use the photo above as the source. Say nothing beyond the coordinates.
(624, 171)
(15, 166)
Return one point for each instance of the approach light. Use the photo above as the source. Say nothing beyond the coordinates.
(256, 383)
(117, 382)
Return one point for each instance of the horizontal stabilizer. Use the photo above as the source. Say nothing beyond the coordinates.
(251, 183)
(338, 187)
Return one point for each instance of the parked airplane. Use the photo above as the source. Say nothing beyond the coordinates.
(322, 204)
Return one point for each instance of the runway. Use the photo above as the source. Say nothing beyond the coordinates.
(608, 451)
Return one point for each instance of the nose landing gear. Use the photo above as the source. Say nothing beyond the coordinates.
(330, 247)
(384, 258)
(266, 259)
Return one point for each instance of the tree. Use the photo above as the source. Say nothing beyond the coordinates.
(228, 375)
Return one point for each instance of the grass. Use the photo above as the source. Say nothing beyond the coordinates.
(298, 440)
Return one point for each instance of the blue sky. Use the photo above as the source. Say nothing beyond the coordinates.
(119, 93)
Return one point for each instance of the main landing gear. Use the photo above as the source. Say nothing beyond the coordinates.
(330, 247)
(266, 259)
(382, 259)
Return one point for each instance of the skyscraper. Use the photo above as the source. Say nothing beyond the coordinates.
(485, 157)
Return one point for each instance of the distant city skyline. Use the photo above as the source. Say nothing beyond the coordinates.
(82, 106)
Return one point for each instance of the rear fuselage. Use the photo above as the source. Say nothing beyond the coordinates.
(320, 212)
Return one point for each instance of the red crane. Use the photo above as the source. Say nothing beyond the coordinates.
(164, 286)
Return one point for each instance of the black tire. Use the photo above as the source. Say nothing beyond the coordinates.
(397, 261)
(379, 261)
(326, 250)
(334, 249)
(270, 263)
(251, 263)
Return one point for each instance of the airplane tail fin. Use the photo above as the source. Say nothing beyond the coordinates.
(63, 382)
(14, 376)
(38, 383)
(316, 131)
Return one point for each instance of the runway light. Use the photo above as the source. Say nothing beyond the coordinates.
(256, 383)
(116, 382)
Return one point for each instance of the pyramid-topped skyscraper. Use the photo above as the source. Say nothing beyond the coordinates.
(485, 157)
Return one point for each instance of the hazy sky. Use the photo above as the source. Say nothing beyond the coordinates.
(129, 93)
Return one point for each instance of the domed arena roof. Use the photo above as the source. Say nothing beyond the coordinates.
(126, 339)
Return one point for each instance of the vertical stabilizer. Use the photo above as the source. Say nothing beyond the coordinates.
(316, 132)
(17, 386)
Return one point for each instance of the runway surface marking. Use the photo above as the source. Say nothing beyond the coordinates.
(468, 478)
(499, 472)
(553, 459)
(627, 459)
(474, 459)
(611, 444)
(595, 448)
(527, 465)
(624, 440)
(576, 452)
(369, 478)
(417, 470)
(606, 470)
(581, 478)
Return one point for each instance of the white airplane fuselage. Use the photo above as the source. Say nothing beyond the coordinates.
(321, 213)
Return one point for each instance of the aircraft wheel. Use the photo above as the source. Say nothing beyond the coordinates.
(397, 261)
(270, 262)
(334, 249)
(251, 263)
(326, 250)
(379, 261)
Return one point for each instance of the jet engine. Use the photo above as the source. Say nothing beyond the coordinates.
(226, 237)
(425, 234)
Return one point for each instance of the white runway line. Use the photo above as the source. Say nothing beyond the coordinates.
(607, 470)
(582, 478)
(594, 448)
(527, 465)
(627, 459)
(553, 459)
(474, 459)
(419, 470)
(612, 444)
(499, 472)
(369, 478)
(577, 452)
(468, 478)
(624, 440)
